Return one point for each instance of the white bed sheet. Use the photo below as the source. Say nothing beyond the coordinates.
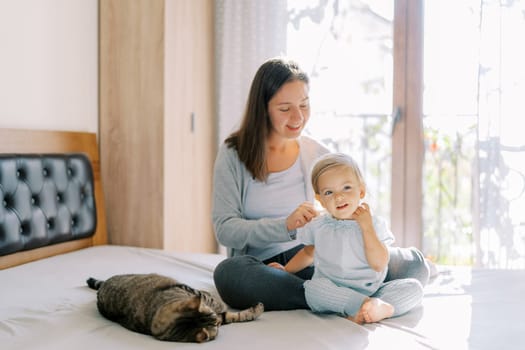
(47, 305)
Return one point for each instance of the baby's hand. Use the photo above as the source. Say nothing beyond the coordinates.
(363, 216)
(277, 266)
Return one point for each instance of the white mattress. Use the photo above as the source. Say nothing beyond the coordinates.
(47, 305)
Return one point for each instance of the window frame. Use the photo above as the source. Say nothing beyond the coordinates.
(407, 131)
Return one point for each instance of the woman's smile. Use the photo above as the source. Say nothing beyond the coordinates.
(295, 128)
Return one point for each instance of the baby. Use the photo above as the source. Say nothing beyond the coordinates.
(348, 247)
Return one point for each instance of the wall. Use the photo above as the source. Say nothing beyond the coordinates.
(49, 64)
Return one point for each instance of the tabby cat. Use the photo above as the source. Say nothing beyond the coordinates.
(164, 308)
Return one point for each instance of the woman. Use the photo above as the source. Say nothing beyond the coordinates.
(262, 195)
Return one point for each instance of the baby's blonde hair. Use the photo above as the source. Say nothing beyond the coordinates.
(333, 160)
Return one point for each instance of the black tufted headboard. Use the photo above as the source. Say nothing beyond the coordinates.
(45, 199)
(51, 198)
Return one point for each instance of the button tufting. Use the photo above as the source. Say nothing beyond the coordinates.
(25, 228)
(35, 219)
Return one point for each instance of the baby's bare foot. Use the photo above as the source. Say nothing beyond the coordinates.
(375, 310)
(357, 318)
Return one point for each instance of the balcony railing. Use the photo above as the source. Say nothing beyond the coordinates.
(474, 191)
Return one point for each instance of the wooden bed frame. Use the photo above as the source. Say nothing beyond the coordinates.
(18, 141)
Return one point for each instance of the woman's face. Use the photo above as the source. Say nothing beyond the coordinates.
(289, 109)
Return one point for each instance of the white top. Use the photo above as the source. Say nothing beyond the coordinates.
(282, 192)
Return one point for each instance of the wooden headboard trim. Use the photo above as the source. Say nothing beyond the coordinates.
(40, 141)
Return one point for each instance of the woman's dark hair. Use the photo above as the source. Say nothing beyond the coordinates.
(250, 139)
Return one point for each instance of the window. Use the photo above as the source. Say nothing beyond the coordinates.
(424, 94)
(454, 71)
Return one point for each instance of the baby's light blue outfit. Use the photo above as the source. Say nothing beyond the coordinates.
(343, 279)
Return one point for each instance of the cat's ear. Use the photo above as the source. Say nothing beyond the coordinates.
(202, 305)
(204, 308)
(193, 304)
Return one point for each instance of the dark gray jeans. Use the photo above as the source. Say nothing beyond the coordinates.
(243, 281)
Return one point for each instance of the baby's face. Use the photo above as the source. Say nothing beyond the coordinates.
(340, 192)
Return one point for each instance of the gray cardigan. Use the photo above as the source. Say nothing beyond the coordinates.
(230, 181)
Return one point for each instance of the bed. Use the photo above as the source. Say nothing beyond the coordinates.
(45, 303)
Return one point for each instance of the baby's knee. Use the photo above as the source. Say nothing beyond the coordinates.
(315, 292)
(409, 295)
(415, 287)
(319, 285)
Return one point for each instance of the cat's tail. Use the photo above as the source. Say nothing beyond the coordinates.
(246, 315)
(93, 283)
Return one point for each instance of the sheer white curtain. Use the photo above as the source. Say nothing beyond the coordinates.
(246, 34)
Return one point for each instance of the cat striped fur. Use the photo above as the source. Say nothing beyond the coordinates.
(165, 308)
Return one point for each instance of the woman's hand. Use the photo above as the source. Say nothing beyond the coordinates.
(301, 216)
(277, 266)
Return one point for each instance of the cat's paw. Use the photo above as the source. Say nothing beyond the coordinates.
(258, 309)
